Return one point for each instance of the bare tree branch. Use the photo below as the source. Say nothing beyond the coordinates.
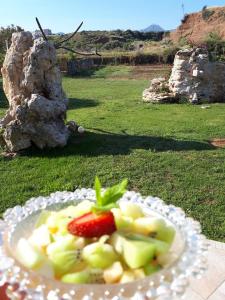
(42, 31)
(70, 37)
(80, 53)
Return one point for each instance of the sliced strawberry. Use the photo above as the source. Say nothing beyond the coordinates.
(92, 225)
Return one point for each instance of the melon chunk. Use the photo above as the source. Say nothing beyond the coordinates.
(131, 210)
(137, 253)
(160, 246)
(123, 223)
(28, 255)
(78, 277)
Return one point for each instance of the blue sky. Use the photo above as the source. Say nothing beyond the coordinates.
(65, 15)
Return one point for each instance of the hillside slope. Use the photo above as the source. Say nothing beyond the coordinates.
(196, 26)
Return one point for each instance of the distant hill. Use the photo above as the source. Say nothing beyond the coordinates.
(153, 28)
(197, 26)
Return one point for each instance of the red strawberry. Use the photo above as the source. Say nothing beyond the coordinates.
(92, 225)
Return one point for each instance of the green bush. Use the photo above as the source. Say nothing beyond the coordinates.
(169, 54)
(207, 13)
(216, 46)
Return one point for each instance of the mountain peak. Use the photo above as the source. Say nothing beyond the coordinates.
(153, 28)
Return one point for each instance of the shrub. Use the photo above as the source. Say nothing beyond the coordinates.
(168, 55)
(216, 46)
(112, 45)
(184, 18)
(183, 41)
(207, 13)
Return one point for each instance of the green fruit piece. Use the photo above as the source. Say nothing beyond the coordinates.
(99, 255)
(137, 253)
(82, 208)
(78, 277)
(160, 246)
(123, 223)
(63, 262)
(63, 254)
(167, 234)
(28, 255)
(131, 210)
(42, 218)
(151, 268)
(156, 227)
(66, 243)
(116, 241)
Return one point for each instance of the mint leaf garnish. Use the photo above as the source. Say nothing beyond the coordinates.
(98, 191)
(108, 200)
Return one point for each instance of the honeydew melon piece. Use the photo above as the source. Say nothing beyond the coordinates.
(123, 223)
(131, 210)
(80, 209)
(113, 273)
(78, 277)
(41, 237)
(151, 268)
(42, 218)
(99, 255)
(160, 246)
(137, 253)
(167, 234)
(116, 241)
(156, 227)
(28, 255)
(63, 244)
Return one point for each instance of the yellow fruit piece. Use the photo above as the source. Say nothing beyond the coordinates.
(113, 273)
(128, 276)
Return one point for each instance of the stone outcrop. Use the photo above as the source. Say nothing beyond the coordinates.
(37, 103)
(158, 92)
(194, 78)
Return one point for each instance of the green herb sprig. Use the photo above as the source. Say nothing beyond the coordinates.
(106, 201)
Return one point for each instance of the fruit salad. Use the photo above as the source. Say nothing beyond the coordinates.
(103, 242)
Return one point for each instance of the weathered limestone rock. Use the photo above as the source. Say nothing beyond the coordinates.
(37, 103)
(197, 78)
(158, 92)
(193, 77)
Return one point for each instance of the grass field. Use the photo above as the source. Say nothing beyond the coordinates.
(162, 149)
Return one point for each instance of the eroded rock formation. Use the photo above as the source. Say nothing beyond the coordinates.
(194, 78)
(37, 103)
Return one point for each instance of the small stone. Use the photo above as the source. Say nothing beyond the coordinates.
(81, 129)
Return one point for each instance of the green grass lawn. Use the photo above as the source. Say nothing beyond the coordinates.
(162, 149)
